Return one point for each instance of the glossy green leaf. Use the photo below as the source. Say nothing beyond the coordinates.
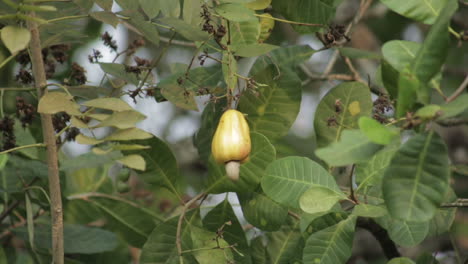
(288, 178)
(306, 11)
(233, 232)
(161, 244)
(54, 102)
(408, 86)
(419, 10)
(170, 8)
(434, 49)
(118, 70)
(274, 110)
(455, 107)
(353, 53)
(188, 31)
(319, 199)
(442, 222)
(77, 239)
(354, 100)
(209, 121)
(131, 220)
(311, 223)
(198, 77)
(331, 245)
(401, 260)
(353, 147)
(375, 131)
(403, 233)
(180, 97)
(106, 17)
(235, 12)
(368, 210)
(146, 28)
(416, 180)
(129, 134)
(283, 57)
(369, 174)
(123, 119)
(161, 165)
(253, 50)
(428, 112)
(25, 137)
(15, 38)
(258, 251)
(285, 245)
(261, 211)
(192, 10)
(251, 172)
(150, 7)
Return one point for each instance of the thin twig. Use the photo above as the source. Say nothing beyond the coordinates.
(352, 196)
(296, 216)
(459, 90)
(50, 141)
(179, 224)
(23, 147)
(388, 246)
(353, 70)
(461, 202)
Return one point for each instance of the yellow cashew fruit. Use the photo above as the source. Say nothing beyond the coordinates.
(266, 27)
(231, 142)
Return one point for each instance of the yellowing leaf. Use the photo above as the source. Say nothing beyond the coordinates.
(114, 104)
(55, 102)
(122, 120)
(76, 122)
(99, 117)
(354, 108)
(258, 4)
(15, 38)
(129, 134)
(133, 161)
(85, 140)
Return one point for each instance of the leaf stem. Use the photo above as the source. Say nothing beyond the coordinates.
(290, 22)
(23, 147)
(453, 32)
(459, 90)
(67, 18)
(7, 60)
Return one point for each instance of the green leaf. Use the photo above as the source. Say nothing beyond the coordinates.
(258, 251)
(106, 17)
(128, 4)
(375, 131)
(232, 233)
(24, 137)
(319, 199)
(428, 112)
(253, 50)
(354, 100)
(86, 179)
(229, 68)
(15, 38)
(181, 98)
(274, 110)
(331, 245)
(118, 70)
(243, 33)
(54, 102)
(368, 210)
(203, 239)
(434, 49)
(105, 4)
(353, 147)
(261, 211)
(122, 120)
(191, 11)
(251, 172)
(311, 223)
(404, 233)
(209, 121)
(285, 246)
(133, 161)
(188, 31)
(353, 53)
(283, 57)
(369, 174)
(288, 178)
(77, 239)
(408, 86)
(146, 28)
(161, 244)
(129, 134)
(416, 180)
(306, 11)
(85, 140)
(454, 108)
(131, 220)
(150, 7)
(109, 103)
(442, 221)
(197, 77)
(235, 12)
(161, 165)
(401, 261)
(419, 10)
(258, 4)
(170, 8)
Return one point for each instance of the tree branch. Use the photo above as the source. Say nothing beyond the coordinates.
(459, 90)
(388, 246)
(461, 202)
(50, 141)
